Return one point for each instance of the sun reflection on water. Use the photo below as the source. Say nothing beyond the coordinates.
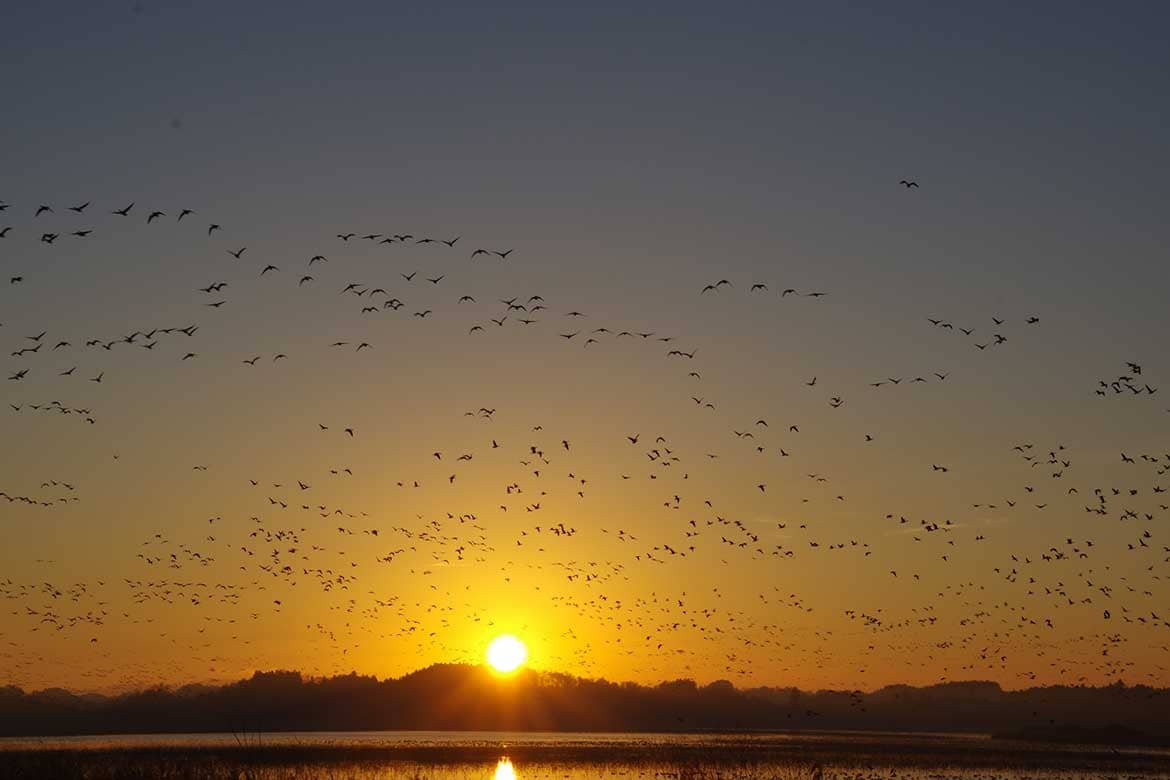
(504, 770)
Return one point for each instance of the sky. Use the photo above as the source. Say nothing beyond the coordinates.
(629, 158)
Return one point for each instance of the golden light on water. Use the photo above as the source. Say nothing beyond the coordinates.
(506, 653)
(504, 770)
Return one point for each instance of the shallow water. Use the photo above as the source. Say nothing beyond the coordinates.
(543, 756)
(457, 739)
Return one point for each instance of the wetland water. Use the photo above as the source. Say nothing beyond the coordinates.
(570, 756)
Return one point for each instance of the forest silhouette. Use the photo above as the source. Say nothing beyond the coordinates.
(467, 697)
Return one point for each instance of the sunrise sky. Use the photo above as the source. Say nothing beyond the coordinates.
(629, 159)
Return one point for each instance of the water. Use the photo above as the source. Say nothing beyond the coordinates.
(431, 755)
(481, 738)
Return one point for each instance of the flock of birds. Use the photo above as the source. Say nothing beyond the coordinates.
(410, 582)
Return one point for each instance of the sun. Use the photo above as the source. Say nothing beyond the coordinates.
(506, 653)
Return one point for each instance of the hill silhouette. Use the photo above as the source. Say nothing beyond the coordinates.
(467, 697)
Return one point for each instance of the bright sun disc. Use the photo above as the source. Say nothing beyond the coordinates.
(506, 653)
